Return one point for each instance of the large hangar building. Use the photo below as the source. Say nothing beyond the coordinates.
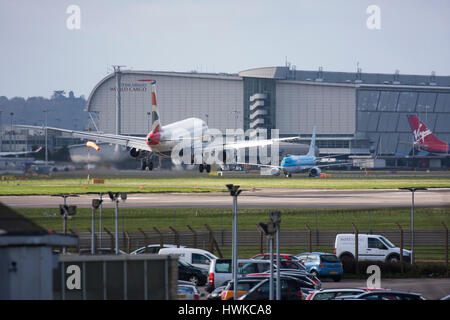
(358, 113)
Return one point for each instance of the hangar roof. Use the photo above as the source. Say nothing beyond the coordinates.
(286, 73)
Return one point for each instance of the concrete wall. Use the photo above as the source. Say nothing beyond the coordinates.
(300, 107)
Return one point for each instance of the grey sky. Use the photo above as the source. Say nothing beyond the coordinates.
(40, 54)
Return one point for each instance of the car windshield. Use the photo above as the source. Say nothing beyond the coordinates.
(184, 263)
(387, 242)
(186, 289)
(329, 258)
(210, 256)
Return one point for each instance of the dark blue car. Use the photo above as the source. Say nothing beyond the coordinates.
(322, 264)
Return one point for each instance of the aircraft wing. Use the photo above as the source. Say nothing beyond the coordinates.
(247, 144)
(332, 164)
(19, 152)
(259, 165)
(127, 141)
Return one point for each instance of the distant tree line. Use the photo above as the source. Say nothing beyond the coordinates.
(66, 111)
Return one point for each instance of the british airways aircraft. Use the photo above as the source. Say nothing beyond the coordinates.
(303, 163)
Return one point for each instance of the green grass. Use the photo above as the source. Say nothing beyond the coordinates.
(218, 219)
(21, 185)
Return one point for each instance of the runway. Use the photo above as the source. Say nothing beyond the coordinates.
(259, 198)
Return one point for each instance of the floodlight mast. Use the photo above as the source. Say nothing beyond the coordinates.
(234, 192)
(115, 197)
(95, 205)
(413, 190)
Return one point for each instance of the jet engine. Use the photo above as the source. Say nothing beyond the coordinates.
(275, 171)
(314, 172)
(135, 153)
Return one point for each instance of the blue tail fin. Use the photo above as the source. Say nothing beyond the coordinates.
(312, 146)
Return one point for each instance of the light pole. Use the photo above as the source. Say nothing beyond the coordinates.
(100, 221)
(66, 211)
(46, 144)
(115, 197)
(11, 132)
(269, 229)
(234, 192)
(413, 190)
(95, 205)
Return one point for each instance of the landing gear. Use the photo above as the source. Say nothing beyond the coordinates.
(206, 167)
(146, 163)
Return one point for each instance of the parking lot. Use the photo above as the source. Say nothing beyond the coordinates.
(430, 289)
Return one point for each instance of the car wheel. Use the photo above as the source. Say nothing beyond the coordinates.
(194, 279)
(393, 258)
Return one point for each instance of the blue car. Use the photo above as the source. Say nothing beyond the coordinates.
(322, 264)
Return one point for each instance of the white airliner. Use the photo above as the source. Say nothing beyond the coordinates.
(16, 153)
(304, 163)
(162, 140)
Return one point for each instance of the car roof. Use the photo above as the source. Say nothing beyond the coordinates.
(243, 260)
(393, 292)
(340, 290)
(318, 253)
(268, 254)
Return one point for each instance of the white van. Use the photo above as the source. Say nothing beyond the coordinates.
(370, 247)
(197, 257)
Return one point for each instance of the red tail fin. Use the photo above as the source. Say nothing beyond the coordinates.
(423, 135)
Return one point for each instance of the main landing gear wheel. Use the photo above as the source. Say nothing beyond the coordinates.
(206, 167)
(146, 164)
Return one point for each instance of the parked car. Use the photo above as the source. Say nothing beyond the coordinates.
(266, 256)
(220, 270)
(322, 264)
(187, 292)
(244, 285)
(384, 295)
(330, 294)
(191, 273)
(153, 248)
(216, 294)
(370, 247)
(307, 281)
(197, 257)
(290, 290)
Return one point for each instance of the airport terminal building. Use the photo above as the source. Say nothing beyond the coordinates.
(358, 113)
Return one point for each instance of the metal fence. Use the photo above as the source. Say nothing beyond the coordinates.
(116, 277)
(129, 241)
